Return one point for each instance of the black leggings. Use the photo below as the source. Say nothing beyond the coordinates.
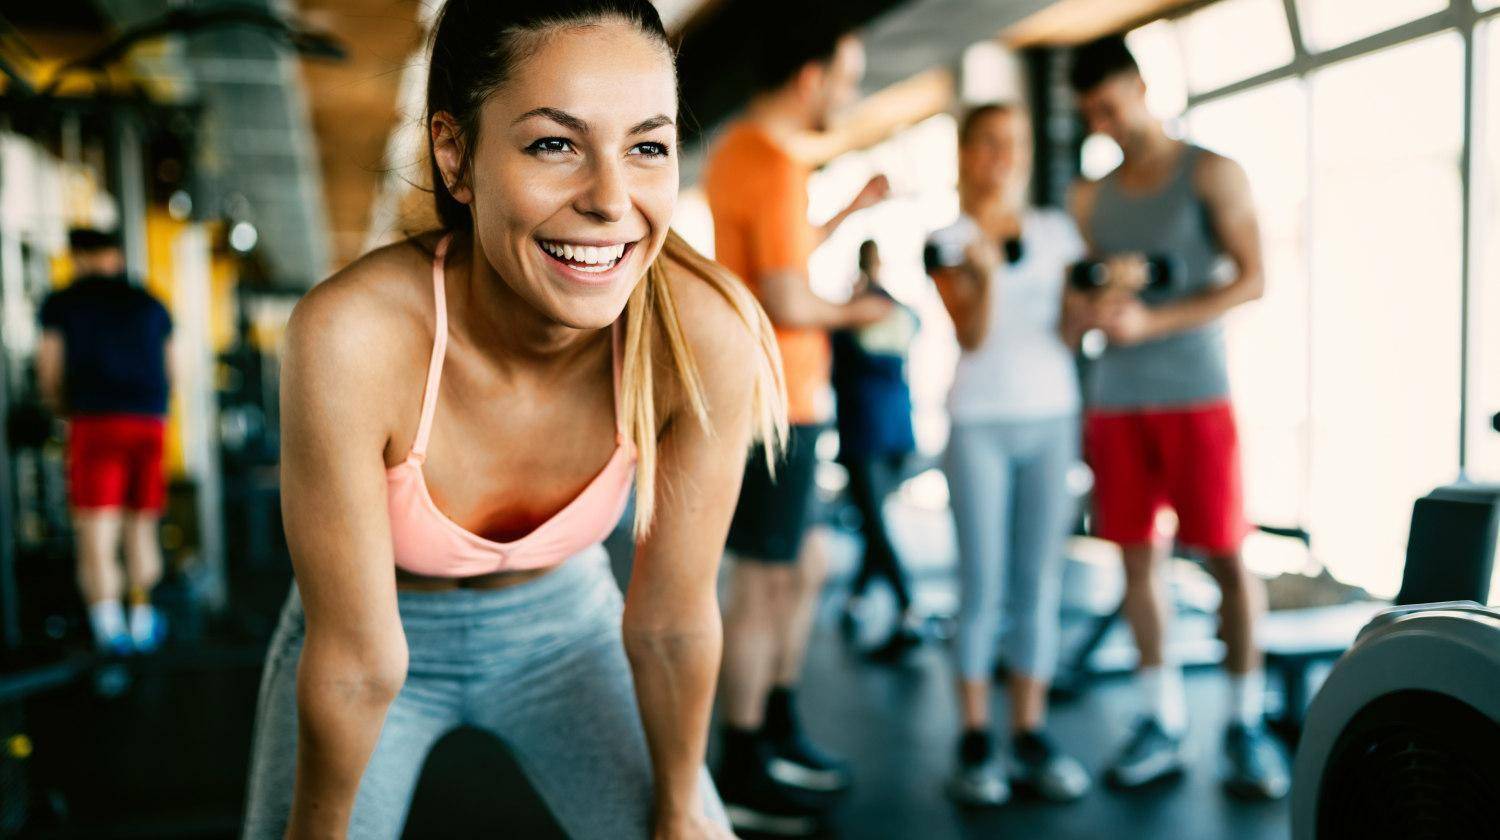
(870, 481)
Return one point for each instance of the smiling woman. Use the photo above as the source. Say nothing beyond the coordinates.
(469, 407)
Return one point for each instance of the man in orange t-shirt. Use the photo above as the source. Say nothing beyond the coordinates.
(757, 192)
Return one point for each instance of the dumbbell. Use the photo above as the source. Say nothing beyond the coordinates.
(1162, 271)
(932, 258)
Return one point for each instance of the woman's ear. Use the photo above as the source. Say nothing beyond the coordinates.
(448, 151)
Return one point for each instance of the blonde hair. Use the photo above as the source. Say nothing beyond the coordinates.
(651, 314)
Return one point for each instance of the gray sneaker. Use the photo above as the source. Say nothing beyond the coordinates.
(983, 785)
(1257, 767)
(1150, 755)
(1042, 768)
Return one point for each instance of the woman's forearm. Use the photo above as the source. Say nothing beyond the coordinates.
(340, 710)
(675, 664)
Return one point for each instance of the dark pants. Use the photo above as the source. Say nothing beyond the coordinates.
(870, 481)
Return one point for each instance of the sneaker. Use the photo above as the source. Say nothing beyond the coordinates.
(1257, 766)
(147, 631)
(120, 644)
(1150, 755)
(1044, 769)
(902, 641)
(980, 785)
(755, 803)
(797, 762)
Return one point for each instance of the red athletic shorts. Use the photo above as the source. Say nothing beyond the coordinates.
(1187, 459)
(114, 461)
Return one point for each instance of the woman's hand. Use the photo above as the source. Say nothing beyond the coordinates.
(982, 256)
(691, 827)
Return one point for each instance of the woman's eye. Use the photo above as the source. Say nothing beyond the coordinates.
(550, 145)
(651, 149)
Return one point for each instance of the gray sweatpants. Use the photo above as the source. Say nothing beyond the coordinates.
(1007, 482)
(540, 665)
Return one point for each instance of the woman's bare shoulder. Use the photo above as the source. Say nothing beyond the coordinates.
(377, 309)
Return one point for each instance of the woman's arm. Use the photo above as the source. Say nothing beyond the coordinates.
(965, 290)
(334, 505)
(672, 630)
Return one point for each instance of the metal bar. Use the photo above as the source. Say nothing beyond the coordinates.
(10, 619)
(1466, 234)
(1304, 63)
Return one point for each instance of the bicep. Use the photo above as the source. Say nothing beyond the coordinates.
(49, 354)
(1081, 209)
(698, 471)
(334, 504)
(1231, 210)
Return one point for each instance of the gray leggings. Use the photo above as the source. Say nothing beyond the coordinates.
(1008, 484)
(540, 665)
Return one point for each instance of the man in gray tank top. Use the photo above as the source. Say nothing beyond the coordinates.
(1160, 430)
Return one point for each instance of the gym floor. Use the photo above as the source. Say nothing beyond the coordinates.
(167, 757)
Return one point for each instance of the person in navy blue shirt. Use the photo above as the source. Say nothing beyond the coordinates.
(875, 437)
(103, 364)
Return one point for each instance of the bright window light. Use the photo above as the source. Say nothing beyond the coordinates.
(1385, 240)
(1331, 23)
(1232, 40)
(1265, 131)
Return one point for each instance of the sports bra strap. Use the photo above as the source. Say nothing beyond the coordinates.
(617, 338)
(439, 350)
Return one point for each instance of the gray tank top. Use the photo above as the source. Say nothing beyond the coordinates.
(1184, 368)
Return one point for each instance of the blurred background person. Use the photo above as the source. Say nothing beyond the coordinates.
(875, 439)
(1161, 429)
(103, 364)
(757, 192)
(1014, 402)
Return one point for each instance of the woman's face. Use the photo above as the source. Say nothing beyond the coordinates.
(574, 176)
(996, 155)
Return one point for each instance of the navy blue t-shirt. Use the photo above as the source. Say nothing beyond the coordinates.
(869, 383)
(114, 337)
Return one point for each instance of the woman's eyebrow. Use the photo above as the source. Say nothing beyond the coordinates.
(567, 120)
(649, 125)
(562, 118)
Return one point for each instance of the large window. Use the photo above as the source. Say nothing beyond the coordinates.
(1348, 374)
(1484, 284)
(1233, 40)
(1332, 23)
(1386, 310)
(1265, 131)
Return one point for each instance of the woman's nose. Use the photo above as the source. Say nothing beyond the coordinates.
(607, 195)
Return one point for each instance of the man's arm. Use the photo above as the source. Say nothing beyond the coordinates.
(876, 190)
(781, 240)
(49, 370)
(1078, 310)
(1224, 189)
(789, 301)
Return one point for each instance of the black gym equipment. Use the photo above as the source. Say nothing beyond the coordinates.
(1403, 740)
(1162, 272)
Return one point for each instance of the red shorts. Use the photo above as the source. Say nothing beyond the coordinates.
(114, 460)
(1187, 459)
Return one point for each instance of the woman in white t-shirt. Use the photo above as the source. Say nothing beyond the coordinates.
(1014, 403)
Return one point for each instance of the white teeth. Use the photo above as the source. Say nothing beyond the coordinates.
(595, 258)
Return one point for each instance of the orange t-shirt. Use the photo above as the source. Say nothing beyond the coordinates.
(758, 196)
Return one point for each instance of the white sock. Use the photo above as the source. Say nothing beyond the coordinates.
(1247, 694)
(108, 621)
(142, 622)
(1162, 696)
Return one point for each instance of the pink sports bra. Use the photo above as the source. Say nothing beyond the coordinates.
(427, 542)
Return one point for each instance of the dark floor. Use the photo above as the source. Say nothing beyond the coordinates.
(167, 757)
